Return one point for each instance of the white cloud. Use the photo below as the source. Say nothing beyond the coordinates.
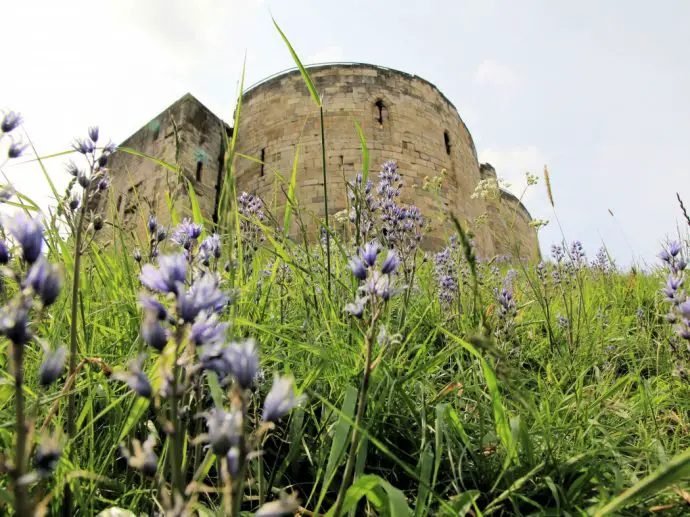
(327, 55)
(499, 77)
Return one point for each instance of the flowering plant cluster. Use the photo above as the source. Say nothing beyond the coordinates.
(378, 214)
(182, 322)
(39, 283)
(674, 293)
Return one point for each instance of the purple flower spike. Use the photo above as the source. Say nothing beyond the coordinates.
(280, 400)
(83, 146)
(674, 248)
(391, 263)
(168, 277)
(207, 330)
(29, 235)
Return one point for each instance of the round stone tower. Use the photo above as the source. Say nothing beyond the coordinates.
(404, 118)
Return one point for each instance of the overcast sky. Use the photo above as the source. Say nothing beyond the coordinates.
(599, 91)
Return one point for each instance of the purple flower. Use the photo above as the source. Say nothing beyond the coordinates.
(46, 281)
(136, 379)
(357, 307)
(358, 269)
(224, 429)
(280, 400)
(74, 202)
(103, 182)
(72, 169)
(93, 133)
(684, 309)
(4, 253)
(209, 248)
(370, 253)
(83, 179)
(16, 149)
(137, 254)
(6, 193)
(83, 146)
(10, 121)
(203, 295)
(244, 362)
(29, 234)
(52, 366)
(14, 321)
(152, 332)
(168, 277)
(391, 263)
(152, 224)
(674, 248)
(186, 233)
(47, 456)
(207, 330)
(557, 252)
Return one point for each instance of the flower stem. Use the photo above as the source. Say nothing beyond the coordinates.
(361, 408)
(20, 493)
(175, 458)
(71, 400)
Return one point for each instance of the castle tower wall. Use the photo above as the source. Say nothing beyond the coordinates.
(404, 118)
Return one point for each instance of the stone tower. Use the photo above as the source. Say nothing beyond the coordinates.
(404, 118)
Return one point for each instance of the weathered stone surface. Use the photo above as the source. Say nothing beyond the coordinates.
(404, 118)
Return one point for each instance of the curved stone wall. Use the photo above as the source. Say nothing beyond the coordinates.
(404, 118)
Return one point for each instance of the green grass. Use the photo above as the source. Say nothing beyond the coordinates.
(453, 420)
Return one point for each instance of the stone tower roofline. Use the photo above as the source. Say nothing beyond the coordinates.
(274, 78)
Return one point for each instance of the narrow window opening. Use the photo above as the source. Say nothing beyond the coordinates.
(446, 140)
(199, 166)
(380, 106)
(263, 157)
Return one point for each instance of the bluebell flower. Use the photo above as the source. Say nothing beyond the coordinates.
(186, 233)
(225, 429)
(370, 253)
(72, 169)
(152, 305)
(10, 121)
(137, 254)
(161, 234)
(29, 234)
(357, 307)
(203, 295)
(16, 149)
(45, 279)
(109, 148)
(674, 248)
(14, 321)
(168, 277)
(47, 456)
(93, 133)
(210, 248)
(357, 268)
(83, 179)
(280, 399)
(212, 358)
(6, 193)
(244, 362)
(83, 146)
(136, 379)
(391, 263)
(684, 309)
(233, 461)
(152, 224)
(52, 367)
(207, 329)
(74, 202)
(557, 252)
(152, 332)
(103, 182)
(4, 253)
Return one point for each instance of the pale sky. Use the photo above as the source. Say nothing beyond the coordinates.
(599, 91)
